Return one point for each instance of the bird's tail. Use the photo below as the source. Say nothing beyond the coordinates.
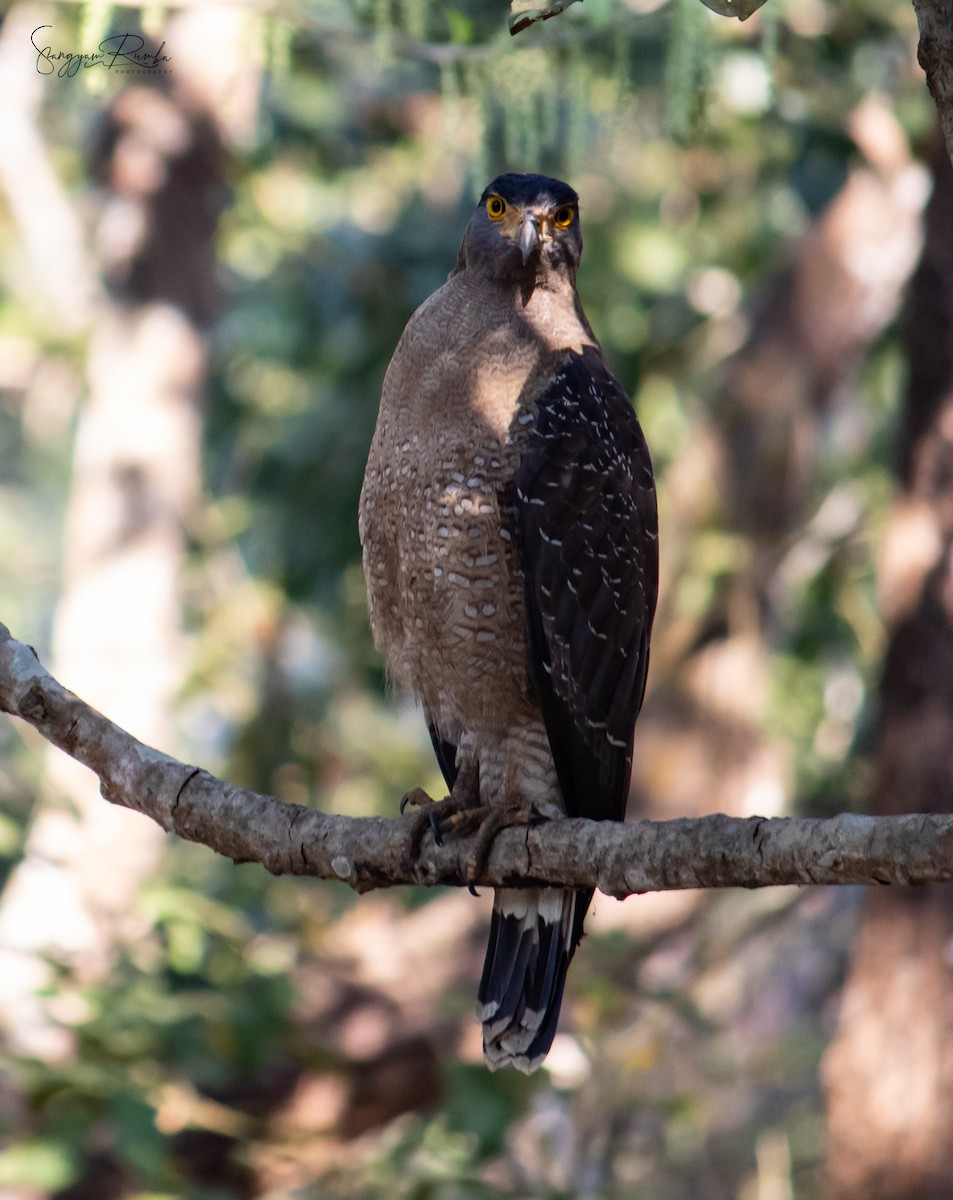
(533, 935)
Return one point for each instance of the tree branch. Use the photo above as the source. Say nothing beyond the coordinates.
(641, 856)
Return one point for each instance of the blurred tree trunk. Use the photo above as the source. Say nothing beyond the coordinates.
(889, 1072)
(702, 745)
(158, 163)
(935, 52)
(817, 318)
(48, 226)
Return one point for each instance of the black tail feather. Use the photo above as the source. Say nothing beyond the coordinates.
(533, 935)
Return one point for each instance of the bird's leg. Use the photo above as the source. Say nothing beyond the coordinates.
(443, 816)
(462, 812)
(513, 812)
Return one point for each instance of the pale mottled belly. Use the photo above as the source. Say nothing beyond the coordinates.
(445, 589)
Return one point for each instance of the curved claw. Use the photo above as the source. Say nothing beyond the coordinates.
(435, 826)
(472, 890)
(415, 798)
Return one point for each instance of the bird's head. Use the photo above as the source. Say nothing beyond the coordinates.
(524, 225)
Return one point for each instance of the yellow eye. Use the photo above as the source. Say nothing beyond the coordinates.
(495, 207)
(563, 217)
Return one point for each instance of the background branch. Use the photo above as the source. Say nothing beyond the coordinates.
(715, 851)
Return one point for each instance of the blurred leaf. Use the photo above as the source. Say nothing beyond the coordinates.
(742, 9)
(39, 1163)
(461, 27)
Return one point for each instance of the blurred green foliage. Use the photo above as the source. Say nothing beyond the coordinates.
(379, 124)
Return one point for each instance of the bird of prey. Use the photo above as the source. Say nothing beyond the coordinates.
(510, 535)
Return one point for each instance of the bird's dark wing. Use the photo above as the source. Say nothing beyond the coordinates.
(446, 753)
(587, 529)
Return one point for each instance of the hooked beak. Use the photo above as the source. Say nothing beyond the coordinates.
(528, 238)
